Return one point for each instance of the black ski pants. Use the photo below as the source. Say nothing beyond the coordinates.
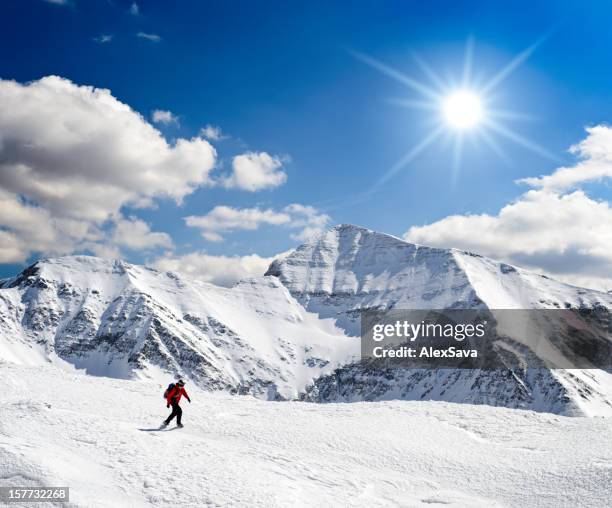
(176, 411)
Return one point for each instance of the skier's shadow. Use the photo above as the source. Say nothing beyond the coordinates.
(158, 429)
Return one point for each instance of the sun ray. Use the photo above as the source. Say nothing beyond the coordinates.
(408, 157)
(395, 74)
(457, 152)
(467, 62)
(494, 145)
(512, 115)
(407, 103)
(517, 138)
(429, 72)
(512, 66)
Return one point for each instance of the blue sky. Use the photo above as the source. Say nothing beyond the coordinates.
(280, 78)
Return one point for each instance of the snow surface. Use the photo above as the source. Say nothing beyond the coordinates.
(92, 434)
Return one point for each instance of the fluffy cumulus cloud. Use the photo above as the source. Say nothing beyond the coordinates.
(554, 228)
(220, 270)
(164, 117)
(311, 221)
(223, 219)
(255, 171)
(25, 228)
(135, 234)
(71, 157)
(595, 164)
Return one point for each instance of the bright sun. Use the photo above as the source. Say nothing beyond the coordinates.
(462, 109)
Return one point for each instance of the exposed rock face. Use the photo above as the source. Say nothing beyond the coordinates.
(116, 319)
(351, 269)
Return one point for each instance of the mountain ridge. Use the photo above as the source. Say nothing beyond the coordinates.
(328, 278)
(116, 319)
(291, 333)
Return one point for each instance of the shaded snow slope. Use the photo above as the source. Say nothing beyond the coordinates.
(350, 269)
(120, 320)
(60, 428)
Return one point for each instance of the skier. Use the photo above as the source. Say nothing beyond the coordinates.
(173, 396)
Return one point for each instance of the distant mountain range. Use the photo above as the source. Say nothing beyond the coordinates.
(292, 333)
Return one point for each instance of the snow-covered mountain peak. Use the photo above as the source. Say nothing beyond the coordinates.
(351, 269)
(348, 259)
(382, 270)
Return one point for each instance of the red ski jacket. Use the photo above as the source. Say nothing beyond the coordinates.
(176, 393)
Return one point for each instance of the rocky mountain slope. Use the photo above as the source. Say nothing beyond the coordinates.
(120, 320)
(293, 332)
(350, 269)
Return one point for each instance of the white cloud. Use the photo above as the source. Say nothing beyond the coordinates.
(135, 234)
(558, 231)
(538, 222)
(57, 2)
(220, 270)
(148, 37)
(595, 152)
(104, 250)
(306, 215)
(311, 220)
(22, 226)
(225, 218)
(100, 155)
(28, 227)
(222, 219)
(12, 249)
(306, 234)
(103, 38)
(33, 229)
(255, 171)
(164, 117)
(134, 9)
(61, 185)
(212, 132)
(211, 236)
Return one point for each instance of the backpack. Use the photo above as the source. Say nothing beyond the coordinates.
(168, 390)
